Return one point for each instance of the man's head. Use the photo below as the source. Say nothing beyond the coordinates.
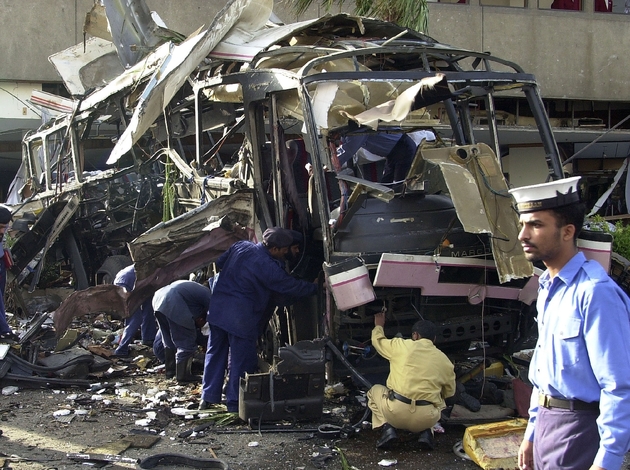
(277, 240)
(551, 217)
(423, 329)
(5, 218)
(294, 249)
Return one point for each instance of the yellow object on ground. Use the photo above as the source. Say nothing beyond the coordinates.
(495, 446)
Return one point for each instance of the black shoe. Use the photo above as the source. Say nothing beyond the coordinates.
(426, 440)
(183, 373)
(204, 405)
(169, 363)
(388, 437)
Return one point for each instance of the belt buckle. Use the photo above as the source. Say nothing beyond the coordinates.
(544, 400)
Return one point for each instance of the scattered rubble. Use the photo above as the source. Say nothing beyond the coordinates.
(128, 400)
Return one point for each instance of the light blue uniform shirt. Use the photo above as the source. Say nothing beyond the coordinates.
(583, 351)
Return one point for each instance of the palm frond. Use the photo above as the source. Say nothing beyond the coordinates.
(413, 14)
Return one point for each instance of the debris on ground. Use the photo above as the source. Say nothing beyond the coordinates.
(102, 386)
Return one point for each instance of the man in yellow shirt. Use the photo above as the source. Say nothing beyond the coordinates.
(420, 378)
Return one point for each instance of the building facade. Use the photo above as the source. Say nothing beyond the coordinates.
(578, 56)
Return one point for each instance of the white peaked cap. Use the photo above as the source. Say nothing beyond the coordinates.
(540, 197)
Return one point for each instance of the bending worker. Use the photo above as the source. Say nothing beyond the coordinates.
(420, 378)
(250, 273)
(579, 416)
(142, 319)
(180, 309)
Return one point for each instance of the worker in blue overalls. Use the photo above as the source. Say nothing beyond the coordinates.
(250, 273)
(180, 309)
(142, 319)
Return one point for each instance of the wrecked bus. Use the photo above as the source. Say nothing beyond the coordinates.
(254, 138)
(442, 243)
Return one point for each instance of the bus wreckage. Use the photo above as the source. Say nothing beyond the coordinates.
(241, 127)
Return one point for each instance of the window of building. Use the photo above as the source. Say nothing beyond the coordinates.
(575, 5)
(504, 3)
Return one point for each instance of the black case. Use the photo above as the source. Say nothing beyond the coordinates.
(292, 390)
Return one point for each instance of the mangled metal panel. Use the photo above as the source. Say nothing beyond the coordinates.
(133, 28)
(425, 272)
(96, 23)
(91, 64)
(165, 253)
(182, 60)
(479, 192)
(172, 249)
(128, 79)
(244, 46)
(427, 91)
(55, 103)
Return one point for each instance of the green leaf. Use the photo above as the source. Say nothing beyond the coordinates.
(412, 14)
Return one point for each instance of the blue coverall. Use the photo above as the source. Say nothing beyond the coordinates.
(236, 317)
(142, 319)
(177, 306)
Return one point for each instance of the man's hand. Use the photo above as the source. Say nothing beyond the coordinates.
(379, 319)
(526, 455)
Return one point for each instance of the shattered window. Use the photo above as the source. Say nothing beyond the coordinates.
(368, 121)
(60, 161)
(223, 132)
(36, 161)
(50, 159)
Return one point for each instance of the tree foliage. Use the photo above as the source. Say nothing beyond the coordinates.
(619, 231)
(412, 14)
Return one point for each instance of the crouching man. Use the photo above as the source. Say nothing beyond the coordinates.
(180, 309)
(420, 378)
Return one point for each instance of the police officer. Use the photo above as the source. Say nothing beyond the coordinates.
(579, 416)
(420, 378)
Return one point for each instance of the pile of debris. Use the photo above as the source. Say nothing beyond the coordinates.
(489, 390)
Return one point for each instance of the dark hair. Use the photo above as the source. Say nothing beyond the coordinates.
(572, 214)
(5, 215)
(425, 329)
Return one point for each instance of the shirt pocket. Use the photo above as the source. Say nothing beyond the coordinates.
(568, 342)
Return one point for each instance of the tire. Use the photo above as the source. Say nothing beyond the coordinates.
(107, 272)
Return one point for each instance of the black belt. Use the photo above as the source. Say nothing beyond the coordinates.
(395, 396)
(551, 402)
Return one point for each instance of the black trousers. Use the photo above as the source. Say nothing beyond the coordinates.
(399, 160)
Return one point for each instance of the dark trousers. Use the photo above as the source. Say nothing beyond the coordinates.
(143, 320)
(399, 160)
(565, 439)
(243, 358)
(175, 336)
